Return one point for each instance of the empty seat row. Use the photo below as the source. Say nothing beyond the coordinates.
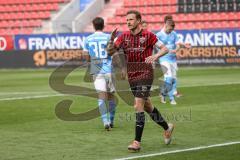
(29, 7)
(194, 17)
(31, 1)
(183, 25)
(134, 3)
(149, 10)
(25, 15)
(208, 25)
(198, 17)
(13, 31)
(19, 23)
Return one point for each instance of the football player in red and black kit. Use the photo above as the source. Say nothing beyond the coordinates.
(137, 45)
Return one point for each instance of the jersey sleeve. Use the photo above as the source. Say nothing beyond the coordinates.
(177, 39)
(119, 41)
(152, 39)
(159, 43)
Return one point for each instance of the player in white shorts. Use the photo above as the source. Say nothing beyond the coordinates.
(168, 62)
(101, 69)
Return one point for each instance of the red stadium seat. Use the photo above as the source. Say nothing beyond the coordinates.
(33, 7)
(208, 25)
(4, 24)
(223, 16)
(15, 14)
(120, 12)
(35, 15)
(54, 6)
(8, 8)
(226, 24)
(27, 30)
(216, 24)
(15, 31)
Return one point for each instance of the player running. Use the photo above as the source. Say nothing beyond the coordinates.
(168, 62)
(137, 45)
(101, 69)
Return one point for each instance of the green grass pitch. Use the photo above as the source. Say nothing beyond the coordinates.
(207, 114)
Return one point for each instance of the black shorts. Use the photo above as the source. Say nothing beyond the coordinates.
(141, 88)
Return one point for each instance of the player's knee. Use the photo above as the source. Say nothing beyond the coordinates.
(138, 108)
(102, 95)
(148, 109)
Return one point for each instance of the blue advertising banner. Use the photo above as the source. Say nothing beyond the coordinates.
(216, 37)
(76, 40)
(50, 42)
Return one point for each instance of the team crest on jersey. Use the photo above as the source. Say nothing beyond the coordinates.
(126, 43)
(142, 40)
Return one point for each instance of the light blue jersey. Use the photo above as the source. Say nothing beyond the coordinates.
(169, 40)
(95, 44)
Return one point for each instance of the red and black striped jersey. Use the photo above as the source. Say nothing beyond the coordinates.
(137, 48)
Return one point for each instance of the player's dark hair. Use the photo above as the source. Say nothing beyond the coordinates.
(98, 23)
(168, 17)
(170, 22)
(138, 14)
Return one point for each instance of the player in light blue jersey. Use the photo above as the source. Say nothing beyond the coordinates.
(169, 61)
(101, 69)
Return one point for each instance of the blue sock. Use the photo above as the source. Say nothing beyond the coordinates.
(112, 110)
(167, 86)
(174, 85)
(173, 89)
(103, 111)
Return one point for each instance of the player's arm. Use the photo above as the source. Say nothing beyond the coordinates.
(162, 51)
(181, 45)
(111, 47)
(184, 45)
(86, 55)
(85, 51)
(119, 61)
(114, 47)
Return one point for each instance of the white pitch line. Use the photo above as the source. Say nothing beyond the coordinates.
(205, 85)
(29, 97)
(200, 85)
(13, 93)
(45, 96)
(180, 150)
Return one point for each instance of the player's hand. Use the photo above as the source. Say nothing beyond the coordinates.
(173, 51)
(187, 45)
(114, 34)
(151, 59)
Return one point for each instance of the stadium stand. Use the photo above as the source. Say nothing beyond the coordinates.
(188, 14)
(28, 16)
(22, 16)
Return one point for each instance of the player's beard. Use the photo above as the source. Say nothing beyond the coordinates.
(134, 28)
